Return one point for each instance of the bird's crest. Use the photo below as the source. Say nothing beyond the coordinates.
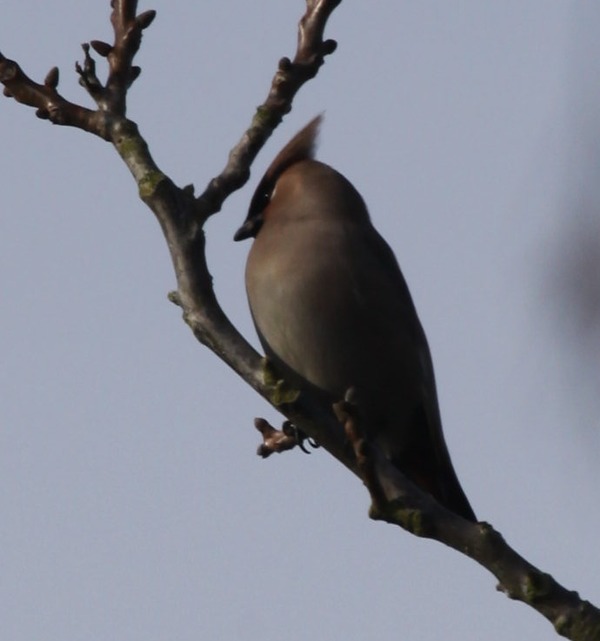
(301, 147)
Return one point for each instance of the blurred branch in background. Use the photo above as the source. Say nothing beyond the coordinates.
(574, 272)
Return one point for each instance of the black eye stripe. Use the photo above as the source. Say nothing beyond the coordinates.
(261, 198)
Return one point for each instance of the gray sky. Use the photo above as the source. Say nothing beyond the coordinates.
(133, 505)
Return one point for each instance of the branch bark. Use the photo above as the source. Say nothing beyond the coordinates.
(182, 215)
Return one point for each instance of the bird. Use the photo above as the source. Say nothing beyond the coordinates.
(332, 311)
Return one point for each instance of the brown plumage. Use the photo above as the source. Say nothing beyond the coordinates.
(332, 311)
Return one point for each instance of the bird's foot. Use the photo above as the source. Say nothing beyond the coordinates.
(347, 412)
(274, 440)
(349, 415)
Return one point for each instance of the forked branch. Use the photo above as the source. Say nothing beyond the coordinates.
(110, 97)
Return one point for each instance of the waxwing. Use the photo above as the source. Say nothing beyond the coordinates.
(332, 311)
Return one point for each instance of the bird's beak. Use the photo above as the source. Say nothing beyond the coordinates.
(249, 229)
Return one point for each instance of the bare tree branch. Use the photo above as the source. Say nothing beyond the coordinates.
(397, 501)
(182, 215)
(49, 104)
(288, 79)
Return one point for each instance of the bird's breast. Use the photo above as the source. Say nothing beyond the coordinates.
(329, 314)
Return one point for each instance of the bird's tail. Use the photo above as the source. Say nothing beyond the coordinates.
(438, 478)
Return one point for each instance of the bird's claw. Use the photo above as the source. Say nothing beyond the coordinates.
(288, 437)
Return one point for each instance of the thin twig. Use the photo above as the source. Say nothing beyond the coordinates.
(288, 79)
